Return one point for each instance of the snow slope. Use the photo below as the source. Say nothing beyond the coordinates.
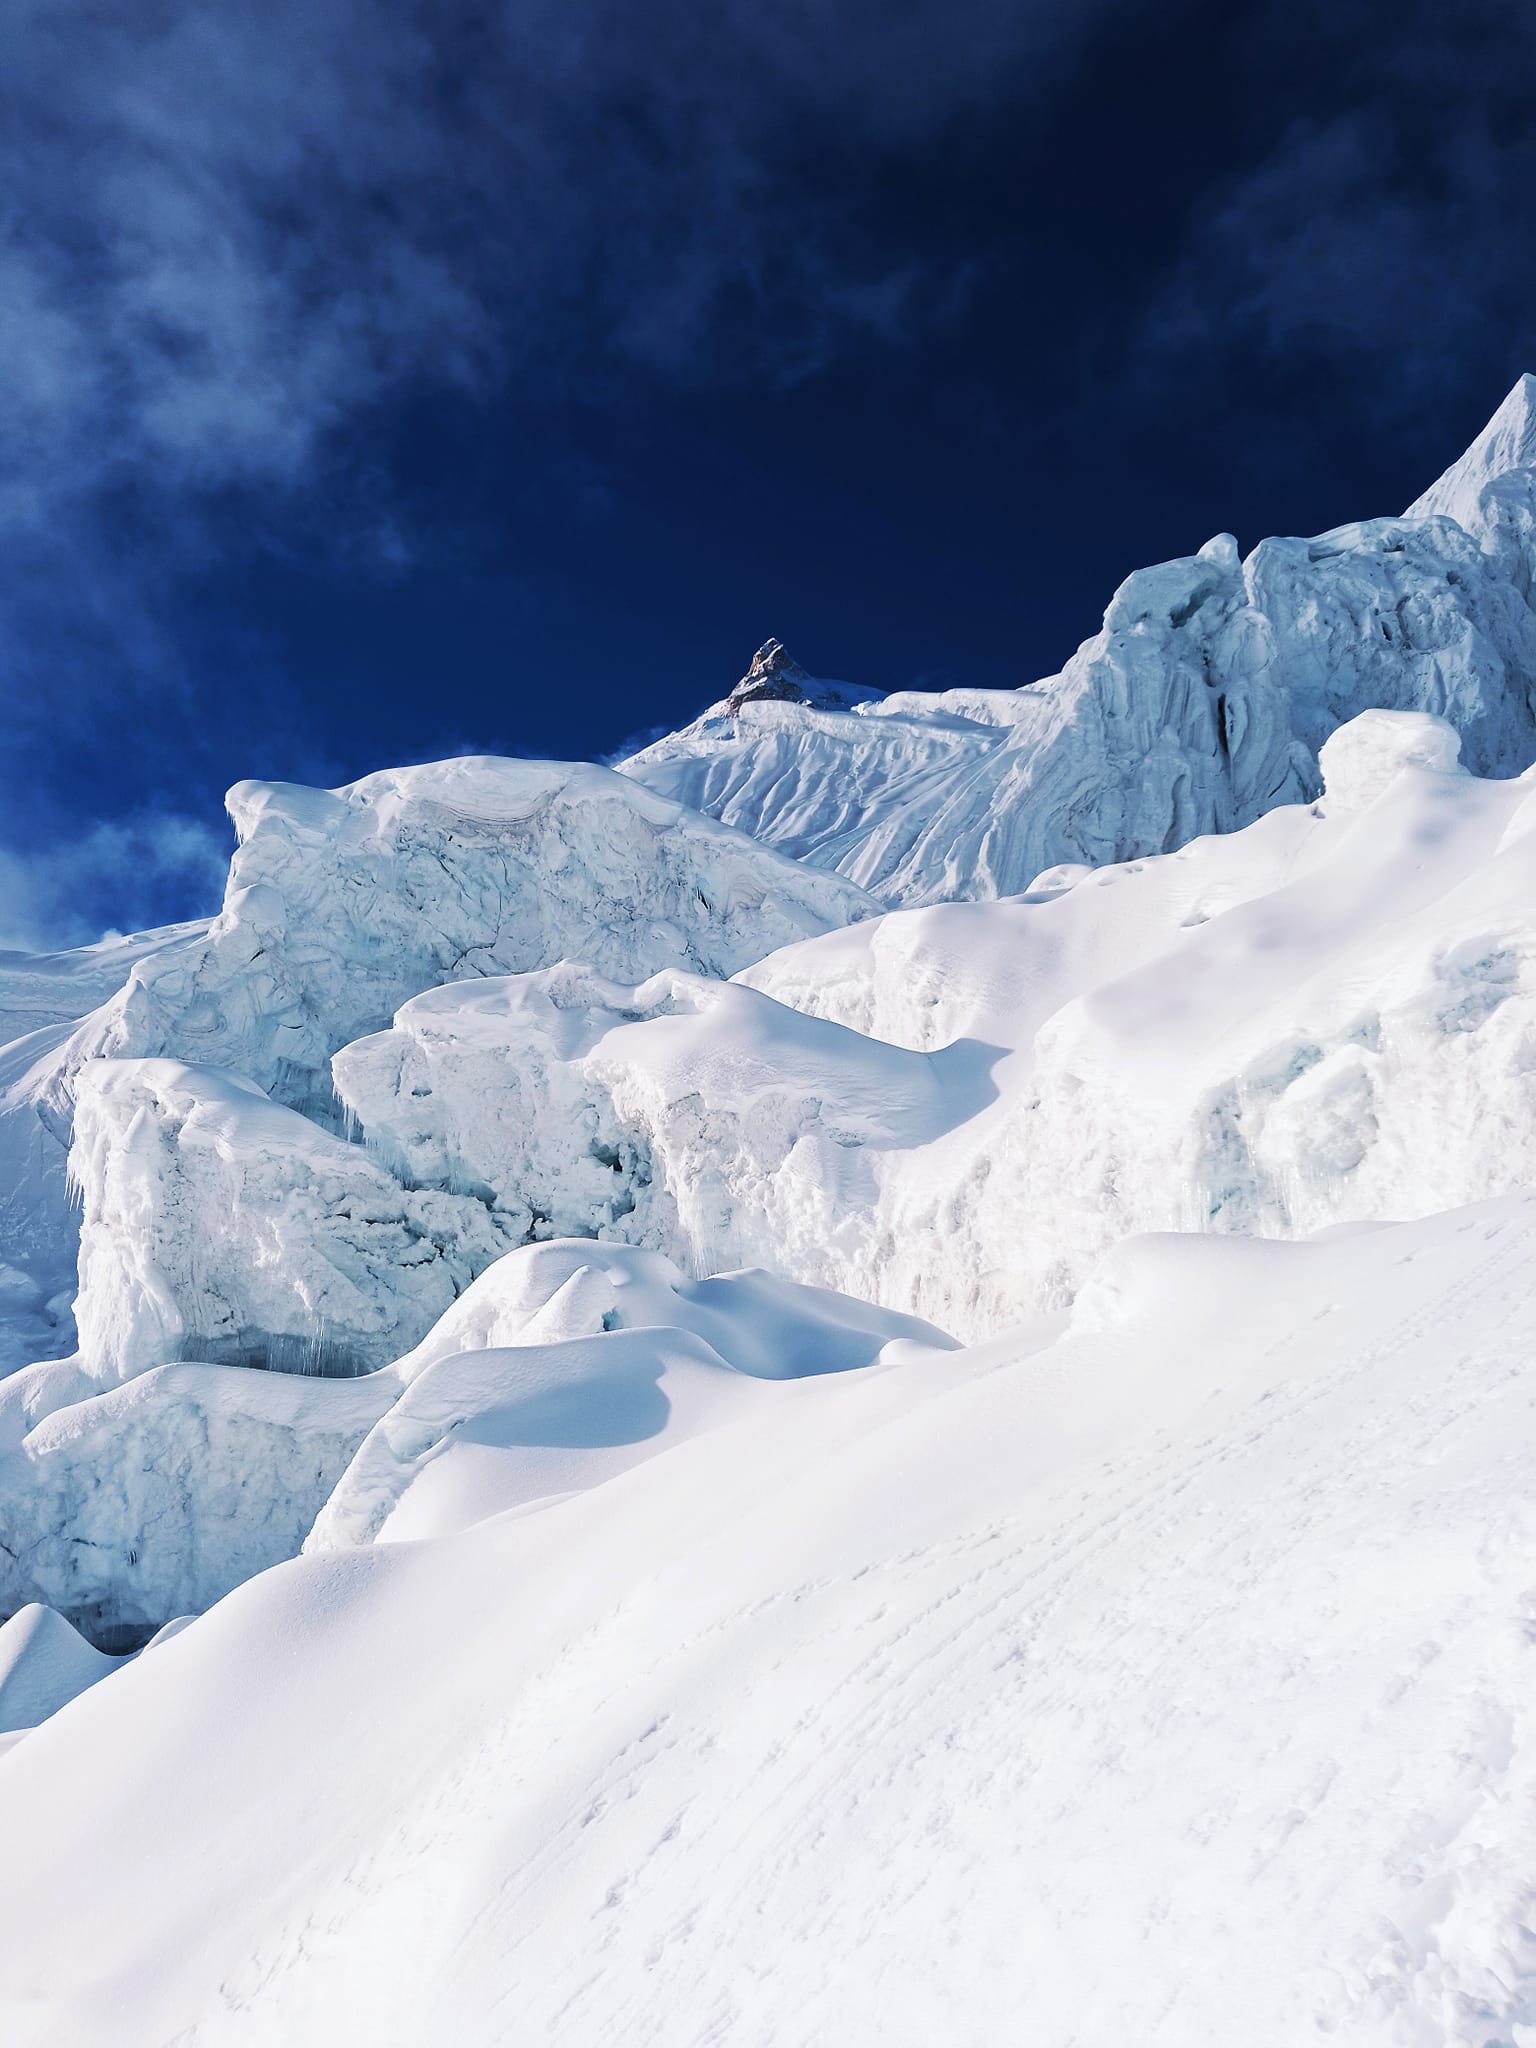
(1166, 1682)
(1201, 703)
(43, 1665)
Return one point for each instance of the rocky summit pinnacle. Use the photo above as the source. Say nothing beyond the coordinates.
(774, 674)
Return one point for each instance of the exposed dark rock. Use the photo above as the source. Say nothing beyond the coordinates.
(774, 675)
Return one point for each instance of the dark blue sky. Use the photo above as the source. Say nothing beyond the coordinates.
(388, 381)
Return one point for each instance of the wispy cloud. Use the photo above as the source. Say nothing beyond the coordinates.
(236, 242)
(141, 871)
(1390, 239)
(219, 240)
(226, 233)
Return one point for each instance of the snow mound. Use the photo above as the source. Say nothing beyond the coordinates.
(483, 1431)
(562, 1364)
(1202, 702)
(44, 1664)
(760, 1325)
(1364, 758)
(619, 1358)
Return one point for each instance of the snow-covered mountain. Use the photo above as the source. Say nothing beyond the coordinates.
(1201, 703)
(869, 1382)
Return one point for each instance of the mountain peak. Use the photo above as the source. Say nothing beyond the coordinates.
(1508, 442)
(774, 673)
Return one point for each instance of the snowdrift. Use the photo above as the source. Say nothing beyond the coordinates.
(563, 1364)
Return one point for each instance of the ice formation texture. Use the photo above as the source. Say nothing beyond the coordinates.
(220, 1226)
(1327, 1017)
(42, 998)
(127, 1508)
(343, 903)
(515, 1551)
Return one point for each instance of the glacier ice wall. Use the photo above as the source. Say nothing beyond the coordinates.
(42, 998)
(218, 1225)
(153, 1499)
(340, 906)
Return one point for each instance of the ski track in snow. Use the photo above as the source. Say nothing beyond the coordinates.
(1241, 1671)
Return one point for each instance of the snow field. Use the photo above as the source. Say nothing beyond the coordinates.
(1160, 1679)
